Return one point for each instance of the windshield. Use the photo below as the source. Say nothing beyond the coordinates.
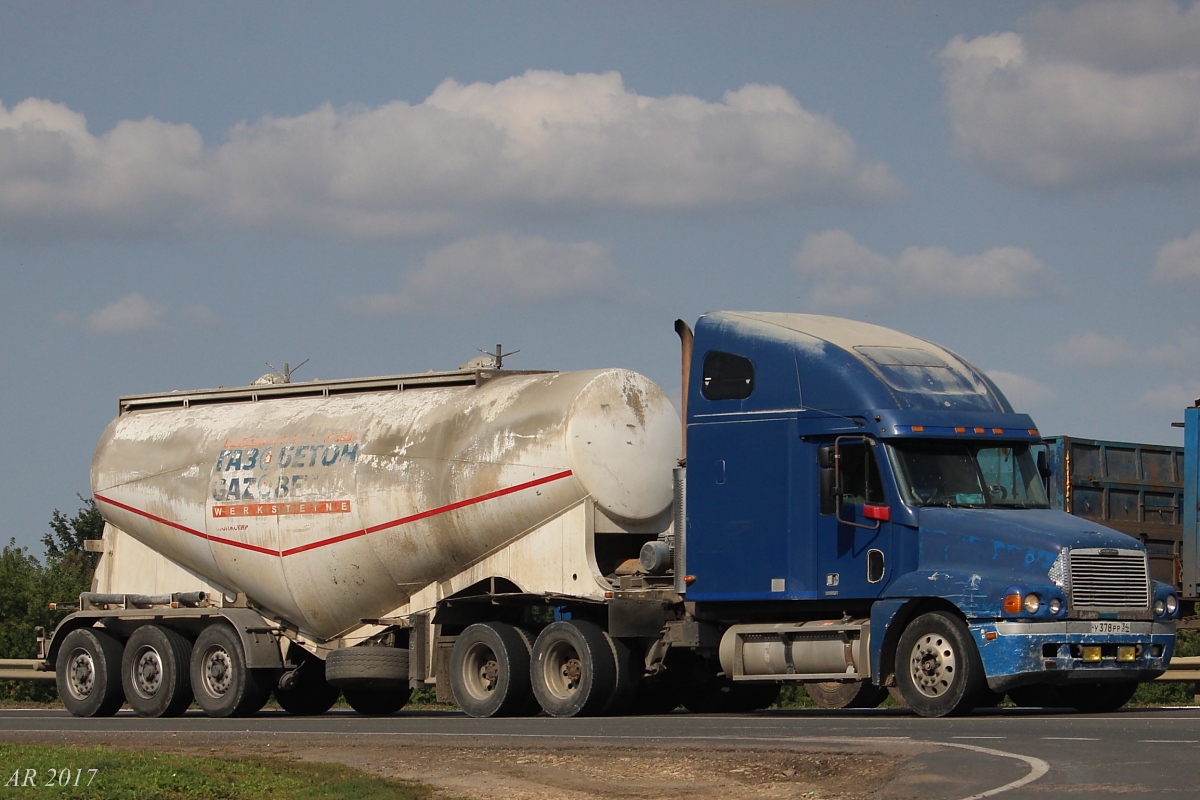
(967, 474)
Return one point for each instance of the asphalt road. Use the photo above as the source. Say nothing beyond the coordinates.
(1011, 753)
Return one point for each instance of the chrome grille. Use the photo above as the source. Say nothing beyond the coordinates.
(1109, 578)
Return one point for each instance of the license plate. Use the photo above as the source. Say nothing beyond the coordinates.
(1111, 627)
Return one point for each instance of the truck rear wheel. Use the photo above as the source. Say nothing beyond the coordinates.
(846, 694)
(223, 684)
(573, 669)
(938, 670)
(88, 673)
(156, 672)
(489, 670)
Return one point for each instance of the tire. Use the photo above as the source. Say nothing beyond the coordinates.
(573, 669)
(374, 680)
(375, 702)
(366, 666)
(630, 664)
(938, 669)
(489, 671)
(310, 694)
(1099, 698)
(88, 673)
(846, 694)
(703, 691)
(657, 694)
(1039, 695)
(156, 672)
(744, 697)
(224, 686)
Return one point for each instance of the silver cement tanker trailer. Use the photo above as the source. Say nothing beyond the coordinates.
(257, 535)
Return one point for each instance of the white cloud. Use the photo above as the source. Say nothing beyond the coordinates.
(1021, 391)
(1171, 397)
(1178, 261)
(502, 269)
(1091, 349)
(1108, 91)
(466, 154)
(842, 272)
(131, 314)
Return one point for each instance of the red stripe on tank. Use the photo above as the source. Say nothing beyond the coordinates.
(433, 512)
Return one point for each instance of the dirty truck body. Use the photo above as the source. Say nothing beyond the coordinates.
(858, 510)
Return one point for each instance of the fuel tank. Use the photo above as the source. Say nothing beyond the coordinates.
(332, 502)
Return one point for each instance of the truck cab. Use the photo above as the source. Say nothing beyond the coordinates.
(845, 474)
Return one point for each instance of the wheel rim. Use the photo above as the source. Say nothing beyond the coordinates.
(564, 670)
(933, 665)
(218, 671)
(147, 672)
(480, 671)
(81, 674)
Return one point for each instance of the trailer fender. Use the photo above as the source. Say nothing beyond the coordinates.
(261, 642)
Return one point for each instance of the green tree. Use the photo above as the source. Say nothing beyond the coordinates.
(28, 586)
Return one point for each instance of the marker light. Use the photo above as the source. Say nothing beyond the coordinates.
(1012, 603)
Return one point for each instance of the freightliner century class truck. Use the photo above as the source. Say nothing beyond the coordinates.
(858, 511)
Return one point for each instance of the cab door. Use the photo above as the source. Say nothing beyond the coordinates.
(854, 529)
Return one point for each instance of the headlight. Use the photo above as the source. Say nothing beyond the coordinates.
(1160, 608)
(1172, 604)
(1032, 603)
(1055, 605)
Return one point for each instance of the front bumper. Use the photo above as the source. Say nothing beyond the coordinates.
(1016, 653)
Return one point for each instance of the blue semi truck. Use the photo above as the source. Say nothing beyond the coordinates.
(864, 510)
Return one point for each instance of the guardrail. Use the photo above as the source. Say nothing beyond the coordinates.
(24, 669)
(1185, 669)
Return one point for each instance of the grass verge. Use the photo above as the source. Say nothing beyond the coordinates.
(99, 774)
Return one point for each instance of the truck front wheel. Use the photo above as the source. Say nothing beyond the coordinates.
(155, 672)
(88, 673)
(573, 669)
(938, 670)
(489, 670)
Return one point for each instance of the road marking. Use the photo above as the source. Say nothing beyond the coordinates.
(1037, 768)
(1068, 739)
(978, 737)
(1167, 741)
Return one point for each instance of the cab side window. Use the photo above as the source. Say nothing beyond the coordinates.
(726, 376)
(860, 475)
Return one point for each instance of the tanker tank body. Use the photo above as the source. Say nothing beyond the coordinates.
(319, 510)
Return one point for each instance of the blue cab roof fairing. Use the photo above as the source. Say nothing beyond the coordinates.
(841, 365)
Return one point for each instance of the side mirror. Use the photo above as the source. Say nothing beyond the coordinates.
(825, 455)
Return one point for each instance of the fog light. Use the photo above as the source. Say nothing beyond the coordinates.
(1032, 603)
(1090, 653)
(1055, 605)
(1126, 652)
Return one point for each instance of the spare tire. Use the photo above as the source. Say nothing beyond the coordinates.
(366, 667)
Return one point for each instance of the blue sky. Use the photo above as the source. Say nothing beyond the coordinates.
(190, 190)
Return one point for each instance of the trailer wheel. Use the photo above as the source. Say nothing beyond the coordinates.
(938, 670)
(846, 694)
(224, 686)
(573, 669)
(88, 673)
(156, 672)
(489, 670)
(1099, 698)
(310, 694)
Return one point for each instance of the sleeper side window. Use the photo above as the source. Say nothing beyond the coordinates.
(726, 376)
